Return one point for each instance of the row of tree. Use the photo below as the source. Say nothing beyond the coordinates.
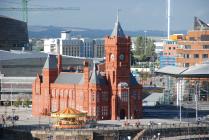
(145, 49)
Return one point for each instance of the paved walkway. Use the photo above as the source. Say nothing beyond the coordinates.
(26, 118)
(186, 137)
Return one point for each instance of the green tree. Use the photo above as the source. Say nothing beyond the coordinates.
(26, 102)
(139, 45)
(18, 102)
(144, 48)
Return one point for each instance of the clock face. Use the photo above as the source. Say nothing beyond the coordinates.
(112, 57)
(122, 57)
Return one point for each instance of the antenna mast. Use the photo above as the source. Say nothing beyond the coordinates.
(169, 14)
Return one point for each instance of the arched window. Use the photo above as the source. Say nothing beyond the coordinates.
(113, 76)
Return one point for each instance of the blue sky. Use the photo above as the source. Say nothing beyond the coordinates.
(101, 14)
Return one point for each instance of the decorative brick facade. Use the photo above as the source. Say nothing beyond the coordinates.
(109, 91)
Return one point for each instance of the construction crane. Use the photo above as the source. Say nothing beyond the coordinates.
(24, 9)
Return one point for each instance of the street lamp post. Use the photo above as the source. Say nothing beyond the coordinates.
(13, 121)
(158, 136)
(180, 98)
(196, 100)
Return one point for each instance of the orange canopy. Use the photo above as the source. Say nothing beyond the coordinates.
(68, 113)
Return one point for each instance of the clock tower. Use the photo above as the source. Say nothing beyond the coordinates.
(117, 66)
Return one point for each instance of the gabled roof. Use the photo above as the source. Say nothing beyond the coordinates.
(133, 80)
(96, 77)
(51, 62)
(200, 25)
(70, 78)
(117, 31)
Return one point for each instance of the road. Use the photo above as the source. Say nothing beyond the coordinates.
(26, 118)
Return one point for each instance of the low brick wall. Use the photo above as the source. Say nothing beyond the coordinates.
(62, 135)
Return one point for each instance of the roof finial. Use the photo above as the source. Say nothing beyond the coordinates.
(118, 10)
(117, 31)
(117, 15)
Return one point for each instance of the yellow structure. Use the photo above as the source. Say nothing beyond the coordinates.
(176, 37)
(69, 118)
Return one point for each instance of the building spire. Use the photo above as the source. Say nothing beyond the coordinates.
(117, 31)
(51, 62)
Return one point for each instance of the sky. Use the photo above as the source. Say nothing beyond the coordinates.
(101, 14)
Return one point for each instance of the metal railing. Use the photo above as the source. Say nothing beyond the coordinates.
(151, 131)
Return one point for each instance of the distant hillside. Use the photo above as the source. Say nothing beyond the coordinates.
(54, 32)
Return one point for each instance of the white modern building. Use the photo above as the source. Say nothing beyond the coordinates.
(52, 45)
(158, 47)
(71, 46)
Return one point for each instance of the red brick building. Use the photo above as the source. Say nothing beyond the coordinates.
(108, 91)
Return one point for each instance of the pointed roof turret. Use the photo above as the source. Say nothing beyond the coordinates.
(117, 31)
(96, 78)
(51, 62)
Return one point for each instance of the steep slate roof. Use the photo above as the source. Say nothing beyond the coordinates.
(133, 80)
(70, 78)
(96, 77)
(200, 25)
(51, 62)
(117, 31)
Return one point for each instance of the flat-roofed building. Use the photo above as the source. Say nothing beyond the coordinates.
(195, 48)
(75, 46)
(99, 51)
